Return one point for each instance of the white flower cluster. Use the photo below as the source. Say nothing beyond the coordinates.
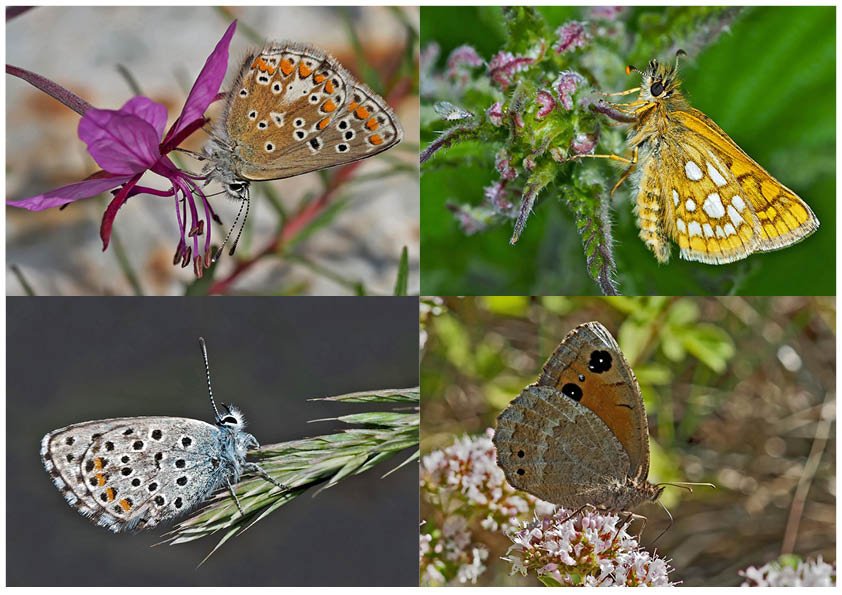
(589, 549)
(469, 495)
(812, 573)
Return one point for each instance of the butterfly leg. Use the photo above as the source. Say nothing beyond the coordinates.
(234, 495)
(254, 467)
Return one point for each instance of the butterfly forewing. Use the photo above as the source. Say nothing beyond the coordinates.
(774, 214)
(134, 472)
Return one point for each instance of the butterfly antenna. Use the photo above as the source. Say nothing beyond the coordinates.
(207, 374)
(678, 54)
(230, 231)
(242, 225)
(685, 485)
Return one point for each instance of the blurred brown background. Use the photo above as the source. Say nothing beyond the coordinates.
(739, 392)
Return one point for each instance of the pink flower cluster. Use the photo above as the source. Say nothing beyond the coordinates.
(460, 61)
(589, 549)
(469, 497)
(571, 35)
(504, 65)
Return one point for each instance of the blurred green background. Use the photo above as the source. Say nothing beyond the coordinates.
(769, 83)
(739, 392)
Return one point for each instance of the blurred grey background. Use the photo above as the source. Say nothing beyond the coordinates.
(78, 359)
(164, 48)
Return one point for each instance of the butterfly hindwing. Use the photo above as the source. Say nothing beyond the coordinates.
(128, 473)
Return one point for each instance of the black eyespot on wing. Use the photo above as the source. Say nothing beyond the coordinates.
(521, 472)
(600, 362)
(521, 454)
(574, 391)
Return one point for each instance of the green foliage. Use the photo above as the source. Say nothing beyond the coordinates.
(769, 83)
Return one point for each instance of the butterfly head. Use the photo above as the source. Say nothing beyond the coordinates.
(660, 81)
(231, 418)
(220, 168)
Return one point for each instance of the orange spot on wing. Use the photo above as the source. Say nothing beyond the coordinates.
(375, 139)
(328, 106)
(361, 113)
(352, 106)
(124, 504)
(319, 78)
(97, 463)
(263, 66)
(109, 492)
(329, 87)
(286, 67)
(100, 478)
(303, 70)
(372, 125)
(323, 124)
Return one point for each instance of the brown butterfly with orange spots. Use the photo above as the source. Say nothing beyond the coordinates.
(293, 109)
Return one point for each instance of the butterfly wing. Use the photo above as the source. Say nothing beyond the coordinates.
(295, 109)
(589, 368)
(728, 206)
(134, 472)
(557, 449)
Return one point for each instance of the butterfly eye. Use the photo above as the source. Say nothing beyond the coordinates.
(236, 187)
(657, 89)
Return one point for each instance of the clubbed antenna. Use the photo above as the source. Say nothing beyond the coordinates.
(207, 374)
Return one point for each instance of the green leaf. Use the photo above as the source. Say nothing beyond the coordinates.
(402, 281)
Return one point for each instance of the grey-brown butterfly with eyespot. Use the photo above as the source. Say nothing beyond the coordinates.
(293, 109)
(579, 436)
(132, 473)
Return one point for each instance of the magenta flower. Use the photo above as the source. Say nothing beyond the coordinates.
(461, 61)
(503, 165)
(547, 103)
(504, 65)
(571, 35)
(566, 84)
(126, 143)
(495, 113)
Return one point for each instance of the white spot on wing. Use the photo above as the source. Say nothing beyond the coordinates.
(717, 177)
(729, 230)
(738, 203)
(692, 170)
(719, 232)
(695, 229)
(713, 206)
(680, 225)
(675, 197)
(708, 230)
(690, 205)
(734, 215)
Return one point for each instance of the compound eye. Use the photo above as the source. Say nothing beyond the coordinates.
(236, 187)
(657, 88)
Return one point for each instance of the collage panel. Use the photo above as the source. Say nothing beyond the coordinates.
(711, 419)
(682, 150)
(90, 183)
(114, 392)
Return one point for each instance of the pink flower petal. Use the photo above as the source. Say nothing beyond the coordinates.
(207, 84)
(111, 212)
(121, 143)
(149, 111)
(70, 193)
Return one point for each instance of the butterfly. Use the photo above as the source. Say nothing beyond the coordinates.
(132, 473)
(694, 185)
(579, 435)
(293, 109)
